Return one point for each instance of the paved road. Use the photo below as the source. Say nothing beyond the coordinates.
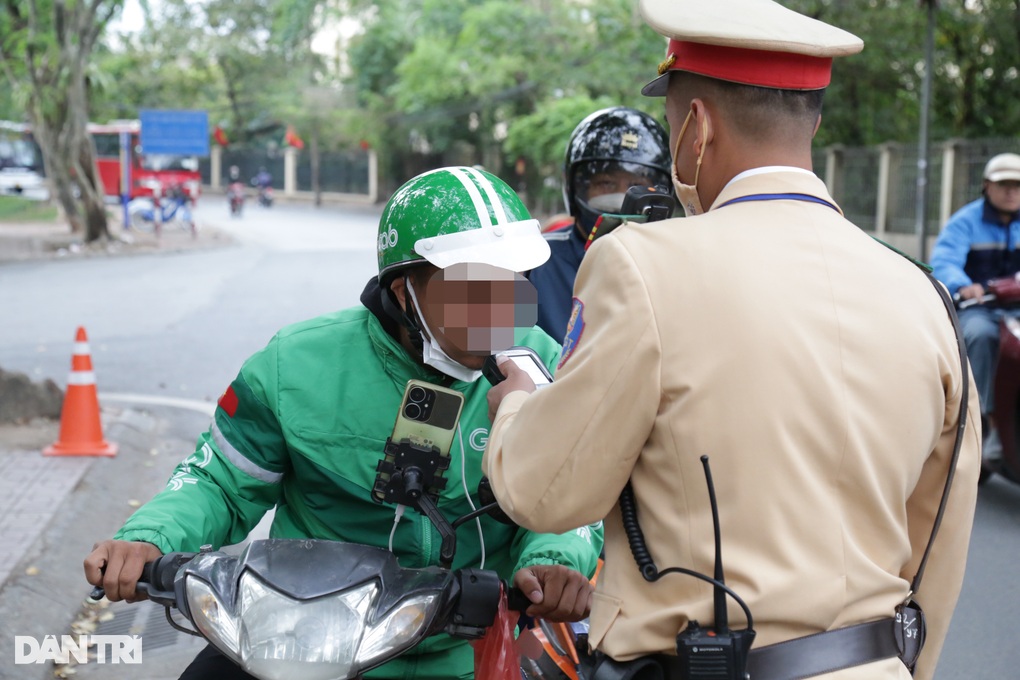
(180, 324)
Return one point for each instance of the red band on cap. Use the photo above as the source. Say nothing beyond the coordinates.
(779, 70)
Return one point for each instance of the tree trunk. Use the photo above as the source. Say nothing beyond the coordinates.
(82, 150)
(96, 225)
(58, 40)
(57, 168)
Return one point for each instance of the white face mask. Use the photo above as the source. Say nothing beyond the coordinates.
(433, 355)
(607, 203)
(687, 194)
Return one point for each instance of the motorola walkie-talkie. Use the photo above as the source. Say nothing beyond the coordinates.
(715, 652)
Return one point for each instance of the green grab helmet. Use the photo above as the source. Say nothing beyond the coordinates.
(457, 215)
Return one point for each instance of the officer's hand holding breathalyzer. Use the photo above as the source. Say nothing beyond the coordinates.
(516, 379)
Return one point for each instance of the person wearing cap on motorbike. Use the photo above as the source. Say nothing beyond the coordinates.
(979, 243)
(304, 423)
(817, 370)
(609, 151)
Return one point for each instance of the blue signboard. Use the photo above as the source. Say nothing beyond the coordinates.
(182, 133)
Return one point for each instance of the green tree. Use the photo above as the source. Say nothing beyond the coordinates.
(447, 81)
(235, 58)
(45, 48)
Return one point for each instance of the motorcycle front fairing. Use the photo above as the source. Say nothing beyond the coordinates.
(318, 610)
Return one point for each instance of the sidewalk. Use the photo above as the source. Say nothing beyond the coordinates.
(21, 241)
(52, 511)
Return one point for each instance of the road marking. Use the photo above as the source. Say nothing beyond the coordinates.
(206, 407)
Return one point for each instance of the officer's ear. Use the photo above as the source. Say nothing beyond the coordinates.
(703, 123)
(818, 124)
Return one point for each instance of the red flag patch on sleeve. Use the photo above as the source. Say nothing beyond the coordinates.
(228, 402)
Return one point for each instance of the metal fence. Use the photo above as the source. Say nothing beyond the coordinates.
(877, 186)
(248, 161)
(341, 171)
(345, 172)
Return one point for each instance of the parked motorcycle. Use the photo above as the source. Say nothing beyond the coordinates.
(235, 197)
(1005, 293)
(172, 207)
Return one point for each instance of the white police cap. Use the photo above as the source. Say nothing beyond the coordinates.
(754, 42)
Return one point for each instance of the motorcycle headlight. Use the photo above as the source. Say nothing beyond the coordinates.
(399, 630)
(212, 618)
(276, 637)
(284, 638)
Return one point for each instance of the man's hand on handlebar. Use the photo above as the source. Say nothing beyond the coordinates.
(974, 290)
(557, 593)
(117, 566)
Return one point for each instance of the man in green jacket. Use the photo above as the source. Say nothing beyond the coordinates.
(303, 425)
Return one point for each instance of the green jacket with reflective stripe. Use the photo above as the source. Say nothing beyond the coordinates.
(302, 427)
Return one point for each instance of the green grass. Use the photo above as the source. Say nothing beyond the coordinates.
(14, 209)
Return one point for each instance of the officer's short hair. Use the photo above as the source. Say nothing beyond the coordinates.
(754, 111)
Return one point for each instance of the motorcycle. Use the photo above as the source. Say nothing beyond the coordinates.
(151, 214)
(235, 197)
(564, 654)
(1004, 293)
(325, 610)
(266, 197)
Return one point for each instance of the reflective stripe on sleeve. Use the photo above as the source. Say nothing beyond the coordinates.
(238, 460)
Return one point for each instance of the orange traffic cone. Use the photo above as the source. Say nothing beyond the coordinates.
(81, 433)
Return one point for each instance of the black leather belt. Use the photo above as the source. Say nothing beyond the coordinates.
(817, 654)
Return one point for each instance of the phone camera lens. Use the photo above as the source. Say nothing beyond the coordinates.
(412, 411)
(416, 395)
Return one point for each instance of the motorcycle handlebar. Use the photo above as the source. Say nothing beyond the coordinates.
(516, 600)
(970, 302)
(157, 577)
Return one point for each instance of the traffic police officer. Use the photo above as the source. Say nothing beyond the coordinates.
(817, 369)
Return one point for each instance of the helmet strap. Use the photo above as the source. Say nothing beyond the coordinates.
(405, 317)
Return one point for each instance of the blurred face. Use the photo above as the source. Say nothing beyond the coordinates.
(1004, 196)
(475, 310)
(603, 191)
(614, 182)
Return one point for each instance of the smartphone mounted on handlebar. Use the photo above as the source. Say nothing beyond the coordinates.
(421, 439)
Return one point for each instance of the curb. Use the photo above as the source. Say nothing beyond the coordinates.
(21, 242)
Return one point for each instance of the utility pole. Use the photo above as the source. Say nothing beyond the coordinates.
(921, 210)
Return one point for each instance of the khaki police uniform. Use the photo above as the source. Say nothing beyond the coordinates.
(820, 373)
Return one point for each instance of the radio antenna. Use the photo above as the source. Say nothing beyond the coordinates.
(721, 618)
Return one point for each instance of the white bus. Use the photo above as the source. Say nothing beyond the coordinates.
(21, 166)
